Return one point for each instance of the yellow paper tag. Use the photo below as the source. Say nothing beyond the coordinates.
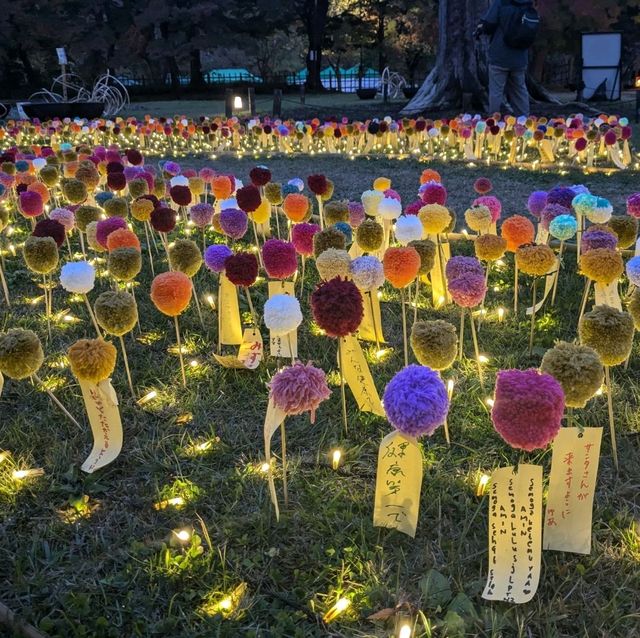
(229, 326)
(229, 361)
(398, 484)
(608, 295)
(439, 292)
(358, 376)
(101, 403)
(572, 485)
(542, 235)
(549, 278)
(372, 319)
(515, 534)
(272, 420)
(355, 250)
(282, 345)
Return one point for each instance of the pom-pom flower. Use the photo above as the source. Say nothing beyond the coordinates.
(561, 195)
(389, 208)
(598, 238)
(124, 264)
(482, 185)
(116, 207)
(535, 259)
(221, 187)
(489, 247)
(317, 184)
(415, 401)
(50, 228)
(106, 226)
(215, 257)
(241, 269)
(536, 203)
(492, 203)
(248, 198)
(91, 231)
(433, 193)
(435, 218)
(201, 215)
(517, 230)
(460, 265)
(122, 238)
(633, 271)
(335, 212)
(273, 193)
(141, 209)
(279, 258)
(467, 290)
(367, 273)
(185, 257)
(74, 191)
(234, 222)
(78, 277)
(626, 228)
(371, 200)
(21, 353)
(299, 388)
(602, 265)
(163, 219)
(634, 308)
(633, 205)
(401, 266)
(577, 368)
(609, 332)
(92, 360)
(295, 207)
(116, 312)
(328, 238)
(180, 194)
(302, 238)
(333, 263)
(41, 254)
(550, 212)
(86, 214)
(65, 217)
(528, 408)
(369, 236)
(563, 227)
(171, 292)
(408, 228)
(356, 214)
(337, 307)
(434, 343)
(600, 212)
(426, 250)
(478, 218)
(30, 204)
(260, 175)
(282, 314)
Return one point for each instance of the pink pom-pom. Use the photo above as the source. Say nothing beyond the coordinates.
(279, 258)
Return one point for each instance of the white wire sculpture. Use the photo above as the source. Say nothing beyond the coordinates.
(107, 89)
(394, 82)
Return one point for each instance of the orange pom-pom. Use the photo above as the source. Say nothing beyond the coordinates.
(41, 189)
(401, 265)
(171, 292)
(122, 238)
(517, 230)
(295, 207)
(221, 187)
(429, 175)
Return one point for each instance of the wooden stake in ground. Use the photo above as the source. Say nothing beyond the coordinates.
(585, 298)
(612, 427)
(5, 288)
(93, 317)
(53, 397)
(373, 320)
(555, 281)
(342, 390)
(533, 315)
(476, 349)
(404, 328)
(515, 286)
(285, 489)
(126, 367)
(179, 341)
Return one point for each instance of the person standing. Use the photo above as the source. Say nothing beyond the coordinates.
(512, 26)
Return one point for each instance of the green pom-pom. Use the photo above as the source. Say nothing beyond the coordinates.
(578, 369)
(138, 187)
(124, 263)
(21, 353)
(86, 214)
(626, 227)
(452, 222)
(634, 308)
(116, 312)
(49, 175)
(185, 256)
(335, 212)
(369, 236)
(74, 191)
(434, 343)
(117, 207)
(273, 193)
(427, 251)
(328, 238)
(609, 332)
(41, 254)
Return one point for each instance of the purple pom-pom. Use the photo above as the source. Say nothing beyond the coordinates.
(459, 265)
(467, 290)
(234, 222)
(215, 256)
(536, 202)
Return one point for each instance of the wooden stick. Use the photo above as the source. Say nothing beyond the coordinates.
(93, 317)
(304, 261)
(373, 320)
(415, 300)
(20, 628)
(533, 317)
(477, 350)
(446, 421)
(197, 302)
(84, 252)
(442, 273)
(254, 316)
(515, 286)
(612, 428)
(149, 253)
(461, 353)
(404, 328)
(47, 311)
(283, 436)
(126, 367)
(5, 288)
(55, 399)
(342, 391)
(585, 297)
(293, 358)
(184, 376)
(255, 237)
(275, 211)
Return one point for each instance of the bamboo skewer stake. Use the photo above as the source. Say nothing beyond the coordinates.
(93, 317)
(55, 399)
(126, 367)
(404, 328)
(342, 390)
(515, 286)
(476, 349)
(5, 288)
(612, 429)
(533, 316)
(285, 489)
(585, 298)
(373, 320)
(461, 352)
(555, 281)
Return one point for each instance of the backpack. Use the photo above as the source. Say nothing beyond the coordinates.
(520, 25)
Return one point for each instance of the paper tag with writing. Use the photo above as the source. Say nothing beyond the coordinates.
(608, 295)
(101, 403)
(515, 534)
(398, 484)
(229, 326)
(282, 345)
(358, 376)
(372, 319)
(572, 485)
(549, 278)
(251, 349)
(272, 421)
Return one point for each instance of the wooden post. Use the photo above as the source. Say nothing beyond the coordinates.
(277, 102)
(252, 101)
(228, 103)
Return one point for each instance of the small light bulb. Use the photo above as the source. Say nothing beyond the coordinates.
(489, 401)
(183, 535)
(335, 459)
(405, 631)
(500, 314)
(482, 484)
(265, 467)
(148, 397)
(483, 359)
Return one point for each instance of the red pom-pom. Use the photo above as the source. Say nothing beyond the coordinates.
(50, 228)
(279, 258)
(241, 269)
(317, 184)
(248, 198)
(116, 181)
(163, 219)
(337, 307)
(260, 175)
(181, 195)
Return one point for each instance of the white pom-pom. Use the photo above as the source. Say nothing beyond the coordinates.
(282, 314)
(389, 208)
(78, 277)
(367, 273)
(408, 228)
(39, 163)
(297, 182)
(371, 200)
(179, 180)
(601, 212)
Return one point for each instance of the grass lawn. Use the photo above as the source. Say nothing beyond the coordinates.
(90, 555)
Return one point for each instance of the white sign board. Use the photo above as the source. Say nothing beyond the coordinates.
(62, 55)
(601, 53)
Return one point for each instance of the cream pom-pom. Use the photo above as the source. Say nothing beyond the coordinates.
(78, 277)
(371, 200)
(389, 208)
(408, 228)
(333, 262)
(282, 314)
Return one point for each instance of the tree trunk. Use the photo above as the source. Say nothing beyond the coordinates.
(195, 68)
(382, 62)
(315, 19)
(461, 61)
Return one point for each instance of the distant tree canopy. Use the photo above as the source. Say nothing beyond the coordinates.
(156, 39)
